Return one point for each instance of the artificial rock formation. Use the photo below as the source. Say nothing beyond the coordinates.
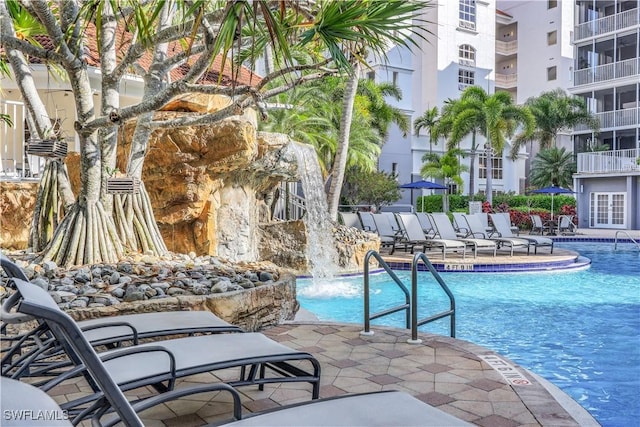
(211, 188)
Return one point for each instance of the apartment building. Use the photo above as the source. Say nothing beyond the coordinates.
(534, 53)
(606, 74)
(460, 53)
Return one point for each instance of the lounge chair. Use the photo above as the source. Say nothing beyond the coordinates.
(111, 331)
(388, 237)
(459, 225)
(507, 217)
(415, 236)
(537, 226)
(503, 228)
(160, 363)
(474, 223)
(446, 231)
(351, 220)
(566, 225)
(484, 219)
(426, 225)
(367, 221)
(393, 221)
(367, 409)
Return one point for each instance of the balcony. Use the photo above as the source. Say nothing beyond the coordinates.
(618, 161)
(615, 119)
(506, 81)
(608, 24)
(506, 48)
(601, 73)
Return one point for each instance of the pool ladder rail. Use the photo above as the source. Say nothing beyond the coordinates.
(410, 306)
(615, 245)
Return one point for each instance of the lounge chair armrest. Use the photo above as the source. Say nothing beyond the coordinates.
(10, 317)
(134, 331)
(169, 396)
(139, 350)
(478, 235)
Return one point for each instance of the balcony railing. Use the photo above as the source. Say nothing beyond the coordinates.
(506, 81)
(626, 19)
(601, 73)
(616, 119)
(617, 161)
(506, 48)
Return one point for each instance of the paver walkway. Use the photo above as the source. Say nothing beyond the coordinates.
(453, 375)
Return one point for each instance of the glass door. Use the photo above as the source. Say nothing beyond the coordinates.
(607, 210)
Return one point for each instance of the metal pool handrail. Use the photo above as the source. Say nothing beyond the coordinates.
(369, 317)
(615, 245)
(414, 299)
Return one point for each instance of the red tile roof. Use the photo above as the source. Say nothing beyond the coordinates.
(243, 76)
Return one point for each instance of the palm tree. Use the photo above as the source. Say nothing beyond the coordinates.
(428, 120)
(446, 167)
(494, 116)
(392, 26)
(555, 111)
(457, 121)
(553, 166)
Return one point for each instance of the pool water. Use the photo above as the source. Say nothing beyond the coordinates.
(579, 330)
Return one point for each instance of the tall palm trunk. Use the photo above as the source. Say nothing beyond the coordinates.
(340, 162)
(489, 189)
(472, 166)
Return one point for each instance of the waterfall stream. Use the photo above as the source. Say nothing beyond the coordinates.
(321, 251)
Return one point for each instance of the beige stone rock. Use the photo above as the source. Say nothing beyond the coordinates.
(17, 202)
(252, 309)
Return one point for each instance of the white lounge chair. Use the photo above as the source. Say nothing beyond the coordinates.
(446, 231)
(474, 223)
(416, 236)
(503, 228)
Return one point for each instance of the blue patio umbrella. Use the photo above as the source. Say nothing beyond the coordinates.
(552, 189)
(423, 185)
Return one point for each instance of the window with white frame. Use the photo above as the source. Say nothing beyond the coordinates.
(466, 78)
(468, 14)
(467, 55)
(496, 164)
(552, 73)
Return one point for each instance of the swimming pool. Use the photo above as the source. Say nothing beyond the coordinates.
(580, 330)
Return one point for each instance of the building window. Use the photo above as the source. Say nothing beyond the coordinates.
(468, 14)
(466, 78)
(552, 73)
(394, 77)
(394, 168)
(552, 3)
(496, 163)
(371, 75)
(552, 38)
(467, 55)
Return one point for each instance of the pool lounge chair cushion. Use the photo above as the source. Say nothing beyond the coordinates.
(23, 405)
(381, 409)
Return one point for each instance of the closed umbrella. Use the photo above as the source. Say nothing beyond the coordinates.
(423, 185)
(553, 189)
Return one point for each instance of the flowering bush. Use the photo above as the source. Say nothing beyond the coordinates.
(486, 207)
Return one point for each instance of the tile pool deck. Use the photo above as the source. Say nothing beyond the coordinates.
(456, 376)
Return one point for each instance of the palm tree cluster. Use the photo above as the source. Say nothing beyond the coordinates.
(497, 118)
